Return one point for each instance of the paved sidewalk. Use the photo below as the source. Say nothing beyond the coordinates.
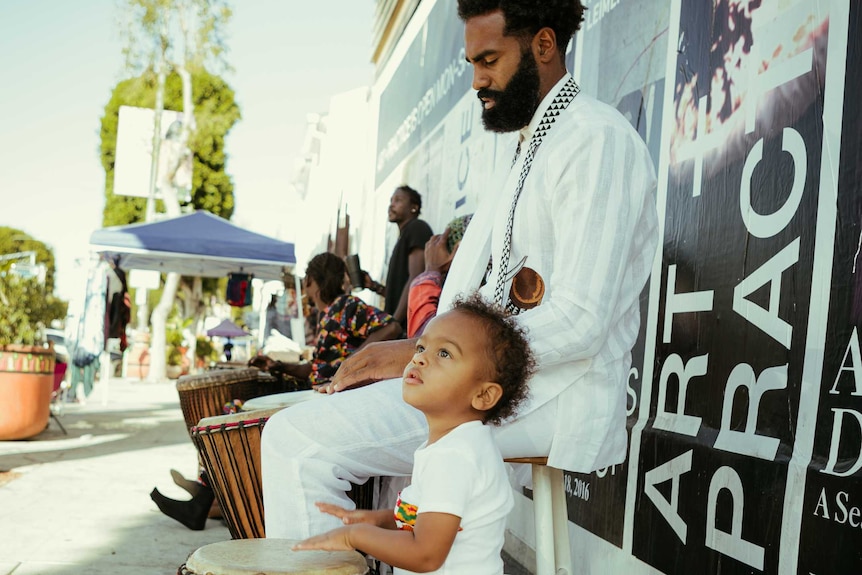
(79, 503)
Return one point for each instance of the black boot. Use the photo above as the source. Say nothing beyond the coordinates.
(189, 485)
(193, 513)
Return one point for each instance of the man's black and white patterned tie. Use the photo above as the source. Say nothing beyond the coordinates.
(561, 101)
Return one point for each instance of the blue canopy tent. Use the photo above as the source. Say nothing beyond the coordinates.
(197, 244)
(200, 244)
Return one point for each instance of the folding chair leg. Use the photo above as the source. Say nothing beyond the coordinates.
(543, 512)
(562, 547)
(57, 419)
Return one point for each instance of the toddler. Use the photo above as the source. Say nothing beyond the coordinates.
(469, 369)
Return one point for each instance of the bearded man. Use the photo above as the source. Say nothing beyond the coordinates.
(571, 233)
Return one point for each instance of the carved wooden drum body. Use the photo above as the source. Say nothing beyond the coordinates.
(229, 448)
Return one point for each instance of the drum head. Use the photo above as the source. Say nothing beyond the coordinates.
(272, 557)
(279, 400)
(241, 419)
(221, 377)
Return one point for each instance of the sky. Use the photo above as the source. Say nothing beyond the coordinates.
(60, 59)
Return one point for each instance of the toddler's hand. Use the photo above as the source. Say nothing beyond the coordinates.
(335, 540)
(347, 516)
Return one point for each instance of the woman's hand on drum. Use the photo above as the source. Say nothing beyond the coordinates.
(375, 361)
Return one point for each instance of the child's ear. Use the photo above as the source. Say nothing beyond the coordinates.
(488, 395)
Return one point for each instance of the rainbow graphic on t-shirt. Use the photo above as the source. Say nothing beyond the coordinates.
(405, 514)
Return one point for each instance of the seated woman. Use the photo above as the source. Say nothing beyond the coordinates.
(346, 324)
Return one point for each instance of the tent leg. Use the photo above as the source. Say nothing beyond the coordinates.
(106, 375)
(297, 325)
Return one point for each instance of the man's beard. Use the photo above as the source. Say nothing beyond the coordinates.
(515, 104)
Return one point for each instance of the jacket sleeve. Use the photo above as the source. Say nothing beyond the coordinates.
(601, 202)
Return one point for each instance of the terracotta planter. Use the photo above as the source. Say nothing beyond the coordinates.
(26, 382)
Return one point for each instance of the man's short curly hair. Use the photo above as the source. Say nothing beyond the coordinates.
(527, 17)
(415, 197)
(510, 359)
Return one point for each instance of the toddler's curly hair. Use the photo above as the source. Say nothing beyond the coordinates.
(510, 360)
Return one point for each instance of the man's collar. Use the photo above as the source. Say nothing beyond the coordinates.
(527, 132)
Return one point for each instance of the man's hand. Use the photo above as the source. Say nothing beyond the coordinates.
(335, 540)
(375, 361)
(437, 256)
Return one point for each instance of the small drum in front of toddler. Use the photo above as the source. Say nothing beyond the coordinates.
(270, 557)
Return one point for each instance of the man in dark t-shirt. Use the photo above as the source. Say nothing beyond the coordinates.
(408, 255)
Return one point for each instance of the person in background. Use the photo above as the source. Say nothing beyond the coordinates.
(273, 318)
(426, 287)
(228, 350)
(469, 370)
(407, 259)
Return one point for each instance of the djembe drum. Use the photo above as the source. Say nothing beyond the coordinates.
(229, 448)
(270, 557)
(205, 394)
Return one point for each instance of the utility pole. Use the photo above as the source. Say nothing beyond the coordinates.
(157, 142)
(141, 295)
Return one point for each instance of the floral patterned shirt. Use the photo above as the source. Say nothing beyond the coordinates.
(342, 328)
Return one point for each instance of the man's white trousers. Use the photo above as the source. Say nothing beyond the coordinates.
(313, 450)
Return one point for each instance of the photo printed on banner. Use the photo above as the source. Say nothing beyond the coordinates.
(740, 229)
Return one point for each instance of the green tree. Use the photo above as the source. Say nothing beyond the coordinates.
(15, 241)
(182, 38)
(28, 308)
(26, 305)
(216, 112)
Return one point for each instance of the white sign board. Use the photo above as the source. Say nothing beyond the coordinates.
(135, 150)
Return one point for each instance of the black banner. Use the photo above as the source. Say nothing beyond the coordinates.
(735, 306)
(831, 533)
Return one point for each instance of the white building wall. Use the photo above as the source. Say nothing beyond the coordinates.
(334, 171)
